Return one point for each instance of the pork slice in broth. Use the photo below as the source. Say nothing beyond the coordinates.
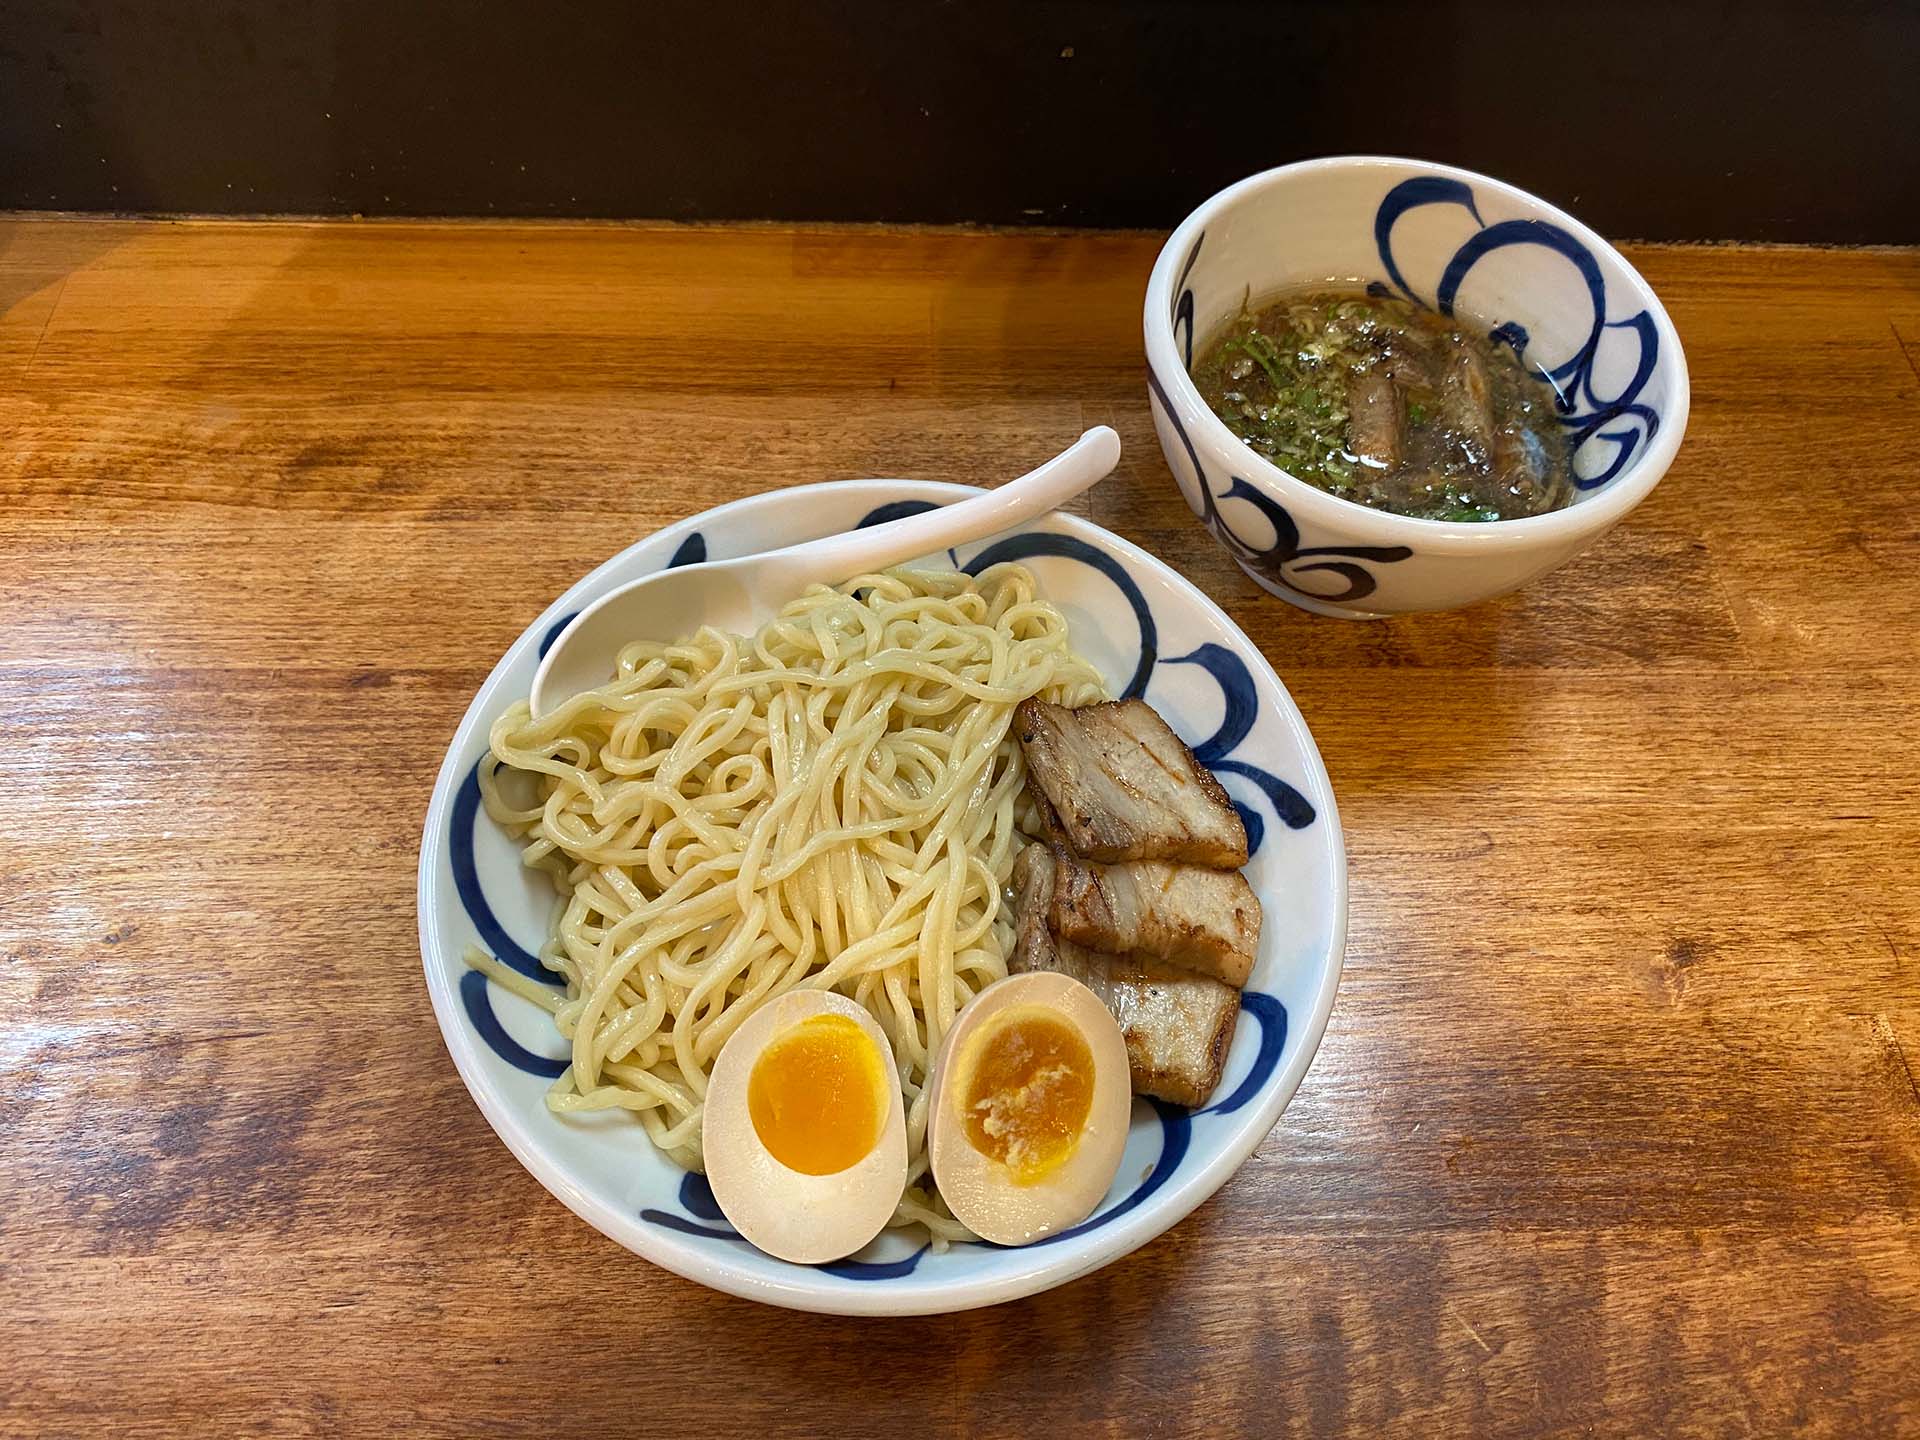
(1465, 400)
(1377, 419)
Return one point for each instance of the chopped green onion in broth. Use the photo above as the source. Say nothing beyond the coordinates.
(1390, 405)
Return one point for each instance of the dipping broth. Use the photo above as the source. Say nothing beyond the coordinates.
(1379, 401)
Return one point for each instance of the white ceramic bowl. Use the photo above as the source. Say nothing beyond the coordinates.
(1445, 238)
(1150, 633)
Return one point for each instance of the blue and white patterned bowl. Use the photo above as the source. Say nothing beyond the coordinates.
(1151, 633)
(1543, 283)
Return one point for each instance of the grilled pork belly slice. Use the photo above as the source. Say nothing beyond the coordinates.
(1123, 786)
(1178, 1025)
(1206, 920)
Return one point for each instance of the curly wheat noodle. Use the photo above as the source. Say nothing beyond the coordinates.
(828, 804)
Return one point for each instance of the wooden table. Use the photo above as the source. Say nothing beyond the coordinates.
(1616, 1128)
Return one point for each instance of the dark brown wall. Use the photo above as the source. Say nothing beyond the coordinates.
(1763, 120)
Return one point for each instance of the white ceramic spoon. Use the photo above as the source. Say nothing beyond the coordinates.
(739, 596)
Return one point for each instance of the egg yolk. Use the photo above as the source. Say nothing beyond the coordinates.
(817, 1095)
(1029, 1090)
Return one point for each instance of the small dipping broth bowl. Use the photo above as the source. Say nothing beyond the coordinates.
(1527, 274)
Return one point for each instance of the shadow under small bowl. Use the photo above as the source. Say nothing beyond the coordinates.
(1455, 242)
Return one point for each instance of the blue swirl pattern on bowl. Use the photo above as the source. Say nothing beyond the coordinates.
(1240, 705)
(1282, 559)
(1584, 412)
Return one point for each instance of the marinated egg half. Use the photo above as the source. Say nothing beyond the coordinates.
(1030, 1111)
(804, 1132)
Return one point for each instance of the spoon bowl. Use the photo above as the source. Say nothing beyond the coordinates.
(738, 596)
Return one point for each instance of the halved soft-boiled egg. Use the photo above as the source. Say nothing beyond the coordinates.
(804, 1133)
(1030, 1111)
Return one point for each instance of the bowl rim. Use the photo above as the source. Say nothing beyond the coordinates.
(693, 1262)
(1577, 521)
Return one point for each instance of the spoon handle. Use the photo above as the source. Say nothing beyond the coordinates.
(1079, 467)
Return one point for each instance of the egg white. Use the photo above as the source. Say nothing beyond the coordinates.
(983, 1194)
(808, 1219)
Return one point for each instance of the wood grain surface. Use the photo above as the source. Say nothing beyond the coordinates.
(1616, 1128)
